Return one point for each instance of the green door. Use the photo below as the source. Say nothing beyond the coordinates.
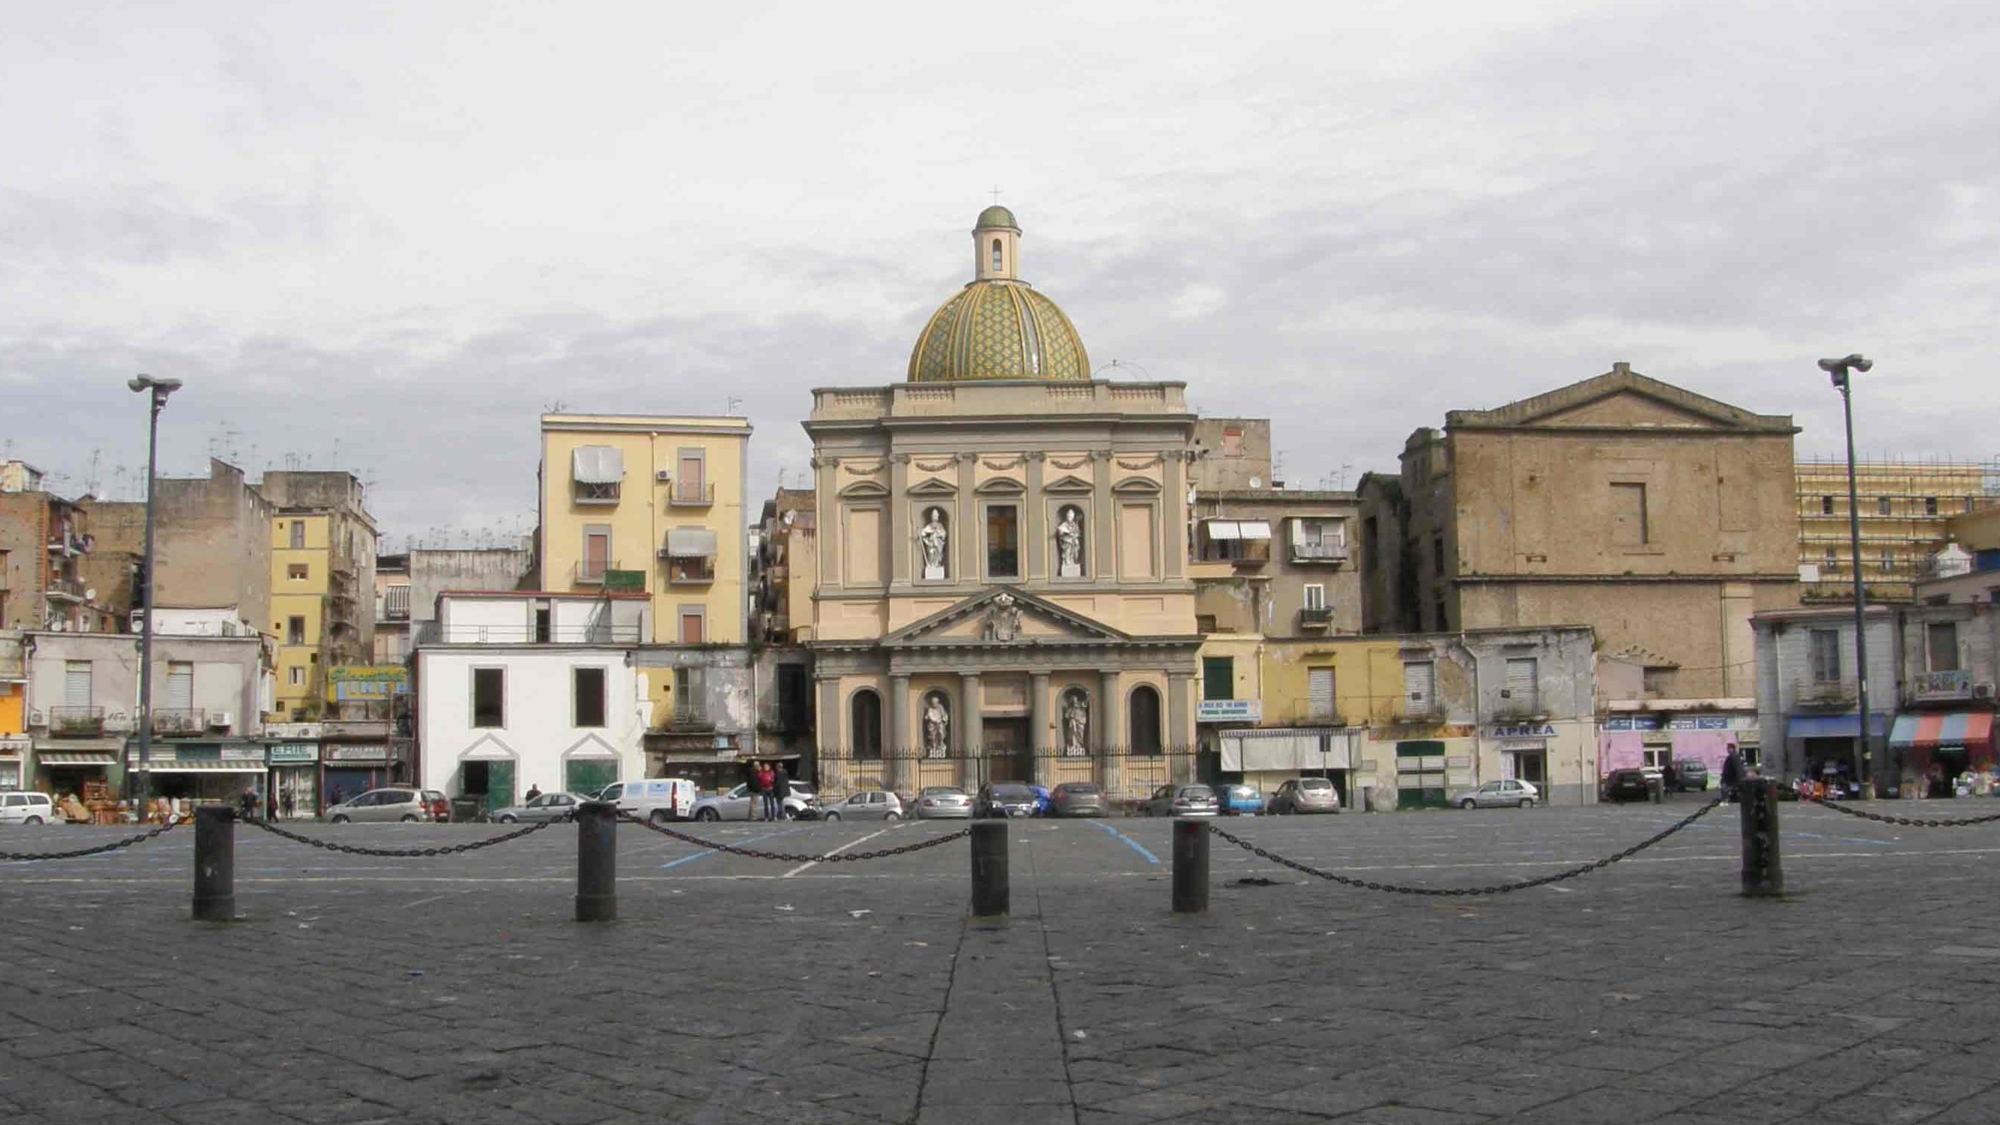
(1420, 775)
(499, 785)
(586, 777)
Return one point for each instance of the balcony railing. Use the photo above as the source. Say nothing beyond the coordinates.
(76, 722)
(602, 634)
(1315, 617)
(690, 571)
(689, 716)
(1825, 693)
(1319, 552)
(1936, 687)
(691, 494)
(1526, 708)
(179, 722)
(1422, 711)
(590, 573)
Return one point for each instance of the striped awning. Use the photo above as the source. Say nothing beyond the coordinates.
(73, 758)
(1942, 728)
(228, 765)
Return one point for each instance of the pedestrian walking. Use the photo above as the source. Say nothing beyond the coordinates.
(767, 781)
(249, 803)
(781, 788)
(1732, 775)
(756, 784)
(288, 802)
(534, 791)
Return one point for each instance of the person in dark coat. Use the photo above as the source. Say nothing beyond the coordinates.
(1732, 775)
(756, 784)
(781, 787)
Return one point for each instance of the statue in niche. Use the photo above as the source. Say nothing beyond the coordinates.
(1076, 724)
(931, 541)
(937, 726)
(1003, 619)
(1069, 543)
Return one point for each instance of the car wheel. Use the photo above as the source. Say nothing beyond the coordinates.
(1527, 802)
(893, 816)
(341, 818)
(32, 820)
(832, 816)
(707, 814)
(1468, 804)
(510, 819)
(659, 816)
(409, 819)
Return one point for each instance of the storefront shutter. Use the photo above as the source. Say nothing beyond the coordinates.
(180, 687)
(1418, 678)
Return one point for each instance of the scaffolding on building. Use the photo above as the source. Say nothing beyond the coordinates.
(1905, 504)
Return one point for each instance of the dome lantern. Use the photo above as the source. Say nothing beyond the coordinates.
(996, 246)
(998, 326)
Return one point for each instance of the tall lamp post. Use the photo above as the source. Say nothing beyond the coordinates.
(1841, 370)
(157, 390)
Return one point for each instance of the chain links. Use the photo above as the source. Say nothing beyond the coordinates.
(788, 857)
(22, 857)
(403, 853)
(1913, 822)
(1462, 892)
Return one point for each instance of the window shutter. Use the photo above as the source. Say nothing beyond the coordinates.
(1418, 680)
(180, 687)
(1521, 680)
(76, 683)
(1319, 692)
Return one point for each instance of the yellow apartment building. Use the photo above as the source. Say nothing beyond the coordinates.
(1907, 507)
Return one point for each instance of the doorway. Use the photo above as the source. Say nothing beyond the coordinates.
(1004, 744)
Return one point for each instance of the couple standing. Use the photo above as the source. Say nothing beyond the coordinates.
(769, 786)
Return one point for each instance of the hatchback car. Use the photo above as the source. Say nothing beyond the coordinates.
(27, 808)
(1183, 800)
(1239, 800)
(548, 806)
(380, 805)
(1503, 794)
(1076, 798)
(439, 805)
(741, 804)
(1005, 799)
(1305, 795)
(943, 802)
(1688, 775)
(1626, 785)
(869, 804)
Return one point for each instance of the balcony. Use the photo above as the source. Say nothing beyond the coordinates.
(1832, 694)
(65, 589)
(591, 573)
(696, 571)
(1315, 617)
(690, 715)
(180, 722)
(690, 494)
(1319, 553)
(1940, 687)
(1421, 711)
(76, 722)
(1510, 709)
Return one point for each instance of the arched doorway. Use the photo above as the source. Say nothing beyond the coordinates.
(1142, 722)
(865, 725)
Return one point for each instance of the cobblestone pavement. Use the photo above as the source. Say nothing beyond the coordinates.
(458, 990)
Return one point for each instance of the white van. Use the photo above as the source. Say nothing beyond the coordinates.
(658, 799)
(27, 808)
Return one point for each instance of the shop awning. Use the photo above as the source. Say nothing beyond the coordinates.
(73, 758)
(1832, 726)
(1255, 529)
(1223, 529)
(597, 464)
(1287, 749)
(1943, 728)
(229, 766)
(691, 543)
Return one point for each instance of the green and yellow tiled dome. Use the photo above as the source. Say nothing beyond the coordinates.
(998, 330)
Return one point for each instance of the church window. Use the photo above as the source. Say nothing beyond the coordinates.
(996, 255)
(1003, 542)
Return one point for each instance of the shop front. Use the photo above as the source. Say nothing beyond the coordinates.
(74, 766)
(1821, 747)
(294, 780)
(13, 759)
(349, 769)
(1944, 753)
(1268, 757)
(190, 773)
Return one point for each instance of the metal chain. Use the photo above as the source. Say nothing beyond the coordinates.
(403, 853)
(1458, 892)
(1913, 822)
(169, 826)
(788, 857)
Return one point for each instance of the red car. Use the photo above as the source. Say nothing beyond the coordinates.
(439, 806)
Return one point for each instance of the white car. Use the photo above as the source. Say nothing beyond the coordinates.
(1499, 795)
(740, 804)
(27, 808)
(658, 799)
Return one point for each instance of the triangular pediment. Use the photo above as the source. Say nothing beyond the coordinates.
(934, 487)
(864, 488)
(1621, 399)
(1069, 483)
(591, 746)
(1001, 486)
(488, 748)
(1003, 616)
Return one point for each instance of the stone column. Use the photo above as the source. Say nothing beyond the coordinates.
(902, 536)
(970, 736)
(1039, 742)
(833, 749)
(1180, 727)
(897, 746)
(1110, 729)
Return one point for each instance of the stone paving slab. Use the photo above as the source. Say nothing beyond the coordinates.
(362, 989)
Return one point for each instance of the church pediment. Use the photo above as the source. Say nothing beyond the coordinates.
(1621, 399)
(1069, 484)
(1626, 410)
(934, 487)
(1001, 617)
(1001, 486)
(864, 488)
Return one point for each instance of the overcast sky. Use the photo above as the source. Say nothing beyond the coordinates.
(386, 236)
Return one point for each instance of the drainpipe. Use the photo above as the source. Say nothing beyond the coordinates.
(1474, 657)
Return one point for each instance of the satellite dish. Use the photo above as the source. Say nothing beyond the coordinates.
(90, 595)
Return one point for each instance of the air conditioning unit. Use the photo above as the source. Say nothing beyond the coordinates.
(1982, 691)
(665, 553)
(221, 720)
(664, 475)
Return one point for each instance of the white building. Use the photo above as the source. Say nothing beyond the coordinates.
(522, 688)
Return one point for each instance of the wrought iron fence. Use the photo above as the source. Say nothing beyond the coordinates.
(1124, 773)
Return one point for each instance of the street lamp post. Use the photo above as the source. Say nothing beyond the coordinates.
(157, 390)
(1841, 370)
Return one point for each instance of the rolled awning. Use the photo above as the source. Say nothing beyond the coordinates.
(1832, 726)
(1944, 728)
(691, 543)
(1223, 529)
(597, 464)
(1256, 529)
(225, 766)
(1290, 749)
(71, 758)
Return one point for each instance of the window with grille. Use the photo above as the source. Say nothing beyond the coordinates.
(1825, 656)
(1942, 638)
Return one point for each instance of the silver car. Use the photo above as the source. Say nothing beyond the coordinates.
(944, 802)
(1182, 800)
(27, 808)
(1508, 794)
(869, 804)
(741, 804)
(380, 805)
(1304, 795)
(548, 806)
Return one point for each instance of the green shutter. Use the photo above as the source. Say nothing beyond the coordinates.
(499, 785)
(586, 777)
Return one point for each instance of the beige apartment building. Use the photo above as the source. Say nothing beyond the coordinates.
(1003, 588)
(1662, 518)
(1907, 507)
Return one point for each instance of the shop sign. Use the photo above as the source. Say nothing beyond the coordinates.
(1229, 711)
(1699, 722)
(293, 732)
(284, 752)
(1635, 722)
(369, 681)
(1523, 745)
(358, 753)
(242, 753)
(13, 747)
(1524, 730)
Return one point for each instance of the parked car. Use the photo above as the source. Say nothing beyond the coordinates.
(27, 808)
(1505, 794)
(1005, 799)
(869, 804)
(1076, 798)
(380, 805)
(943, 802)
(741, 804)
(548, 806)
(1304, 795)
(1626, 785)
(658, 799)
(1239, 800)
(1691, 774)
(439, 805)
(1182, 800)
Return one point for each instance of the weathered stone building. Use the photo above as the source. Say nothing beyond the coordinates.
(211, 542)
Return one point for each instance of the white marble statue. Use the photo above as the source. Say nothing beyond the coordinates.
(1076, 724)
(937, 726)
(1003, 619)
(1069, 544)
(931, 542)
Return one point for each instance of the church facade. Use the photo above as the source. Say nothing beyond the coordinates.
(1003, 590)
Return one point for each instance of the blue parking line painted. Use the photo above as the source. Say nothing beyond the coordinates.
(1129, 842)
(671, 864)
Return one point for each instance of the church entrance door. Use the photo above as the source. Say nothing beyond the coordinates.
(1005, 745)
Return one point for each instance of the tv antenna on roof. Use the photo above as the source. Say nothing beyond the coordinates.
(732, 406)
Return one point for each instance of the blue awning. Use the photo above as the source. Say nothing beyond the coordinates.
(1833, 726)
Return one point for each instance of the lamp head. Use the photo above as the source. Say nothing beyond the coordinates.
(1839, 368)
(161, 388)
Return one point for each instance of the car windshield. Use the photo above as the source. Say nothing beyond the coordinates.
(1198, 792)
(1013, 793)
(1315, 783)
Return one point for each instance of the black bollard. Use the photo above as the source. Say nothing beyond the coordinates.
(1190, 866)
(215, 864)
(989, 869)
(597, 862)
(1763, 871)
